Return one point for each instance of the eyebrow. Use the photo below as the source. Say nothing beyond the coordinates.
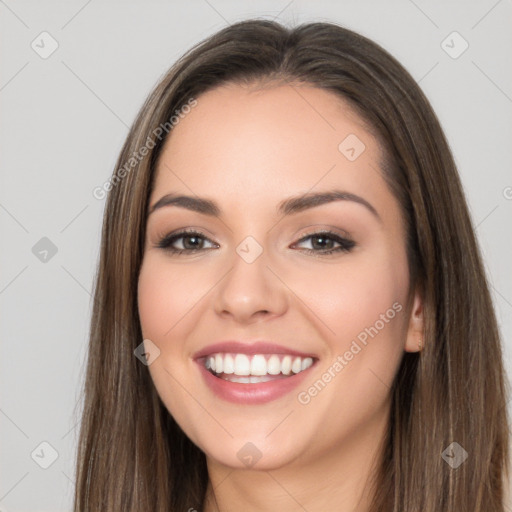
(289, 206)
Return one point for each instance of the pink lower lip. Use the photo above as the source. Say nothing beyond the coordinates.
(252, 394)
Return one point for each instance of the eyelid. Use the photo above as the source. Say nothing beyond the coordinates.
(339, 236)
(180, 233)
(345, 242)
(308, 231)
(324, 228)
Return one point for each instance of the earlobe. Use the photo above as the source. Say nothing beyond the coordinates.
(415, 341)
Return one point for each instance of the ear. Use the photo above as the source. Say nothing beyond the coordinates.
(415, 340)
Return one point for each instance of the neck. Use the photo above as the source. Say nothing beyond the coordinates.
(340, 479)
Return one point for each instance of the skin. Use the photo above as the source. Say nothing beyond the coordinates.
(247, 150)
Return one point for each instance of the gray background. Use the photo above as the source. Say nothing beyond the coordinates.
(64, 119)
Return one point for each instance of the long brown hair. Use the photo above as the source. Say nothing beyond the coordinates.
(132, 456)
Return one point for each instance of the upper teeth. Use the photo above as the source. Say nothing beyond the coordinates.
(259, 364)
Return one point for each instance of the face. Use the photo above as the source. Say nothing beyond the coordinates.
(280, 313)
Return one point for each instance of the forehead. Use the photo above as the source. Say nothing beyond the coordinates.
(253, 145)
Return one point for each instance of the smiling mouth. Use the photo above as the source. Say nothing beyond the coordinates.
(253, 369)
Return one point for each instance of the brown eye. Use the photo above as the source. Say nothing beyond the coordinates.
(190, 241)
(324, 243)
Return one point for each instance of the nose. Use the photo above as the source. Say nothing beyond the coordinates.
(250, 292)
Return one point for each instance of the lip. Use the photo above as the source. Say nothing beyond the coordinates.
(250, 394)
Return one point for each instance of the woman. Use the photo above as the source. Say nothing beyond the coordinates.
(291, 310)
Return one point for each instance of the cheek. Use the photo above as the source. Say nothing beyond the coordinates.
(165, 294)
(150, 304)
(359, 307)
(360, 310)
(154, 300)
(354, 295)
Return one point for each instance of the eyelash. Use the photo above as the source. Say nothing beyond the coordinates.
(346, 245)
